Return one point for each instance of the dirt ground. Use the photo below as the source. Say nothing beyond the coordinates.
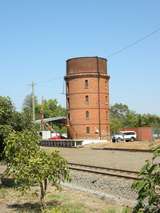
(139, 145)
(106, 158)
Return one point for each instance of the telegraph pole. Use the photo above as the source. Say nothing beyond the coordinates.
(33, 102)
(42, 114)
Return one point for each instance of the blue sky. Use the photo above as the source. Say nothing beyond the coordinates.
(38, 36)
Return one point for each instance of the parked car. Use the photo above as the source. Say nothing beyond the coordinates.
(57, 136)
(124, 136)
(117, 137)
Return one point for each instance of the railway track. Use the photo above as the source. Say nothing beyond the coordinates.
(120, 173)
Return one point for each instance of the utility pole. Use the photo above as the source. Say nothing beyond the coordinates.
(42, 115)
(33, 103)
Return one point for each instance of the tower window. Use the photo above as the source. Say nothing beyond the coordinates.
(67, 88)
(86, 84)
(106, 100)
(106, 115)
(87, 115)
(106, 84)
(86, 99)
(87, 130)
(68, 102)
(69, 116)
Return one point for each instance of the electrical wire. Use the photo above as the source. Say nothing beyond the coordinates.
(40, 83)
(134, 43)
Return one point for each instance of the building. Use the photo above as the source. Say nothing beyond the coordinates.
(87, 97)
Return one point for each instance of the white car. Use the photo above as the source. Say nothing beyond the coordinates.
(124, 136)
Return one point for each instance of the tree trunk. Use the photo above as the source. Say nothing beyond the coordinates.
(43, 187)
(42, 194)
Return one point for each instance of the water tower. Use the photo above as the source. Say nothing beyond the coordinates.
(87, 98)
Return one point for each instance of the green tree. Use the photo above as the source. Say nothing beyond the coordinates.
(115, 125)
(148, 187)
(30, 165)
(130, 120)
(4, 132)
(121, 116)
(51, 108)
(27, 107)
(10, 120)
(119, 110)
(6, 117)
(21, 121)
(27, 103)
(6, 110)
(150, 120)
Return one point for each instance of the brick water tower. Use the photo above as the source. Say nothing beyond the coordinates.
(87, 97)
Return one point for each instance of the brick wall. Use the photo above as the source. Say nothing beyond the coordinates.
(87, 88)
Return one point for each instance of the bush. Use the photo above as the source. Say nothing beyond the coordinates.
(148, 187)
(30, 165)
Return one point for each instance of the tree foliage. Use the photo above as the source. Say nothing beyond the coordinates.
(30, 165)
(121, 117)
(6, 111)
(27, 103)
(4, 132)
(51, 108)
(10, 120)
(148, 187)
(6, 119)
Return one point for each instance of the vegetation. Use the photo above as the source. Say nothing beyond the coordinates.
(11, 120)
(148, 187)
(121, 117)
(30, 165)
(51, 108)
(65, 201)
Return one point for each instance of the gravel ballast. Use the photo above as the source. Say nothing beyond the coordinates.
(115, 190)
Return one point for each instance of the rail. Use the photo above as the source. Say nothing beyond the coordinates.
(121, 173)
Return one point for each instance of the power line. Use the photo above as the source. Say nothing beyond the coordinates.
(134, 43)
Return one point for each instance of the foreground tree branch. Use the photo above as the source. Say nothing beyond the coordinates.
(30, 165)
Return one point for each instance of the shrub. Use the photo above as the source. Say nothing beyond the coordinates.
(30, 165)
(148, 187)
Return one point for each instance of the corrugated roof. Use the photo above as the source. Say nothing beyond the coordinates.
(51, 119)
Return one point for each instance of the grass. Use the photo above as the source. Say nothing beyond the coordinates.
(3, 193)
(68, 208)
(78, 208)
(119, 210)
(66, 201)
(58, 197)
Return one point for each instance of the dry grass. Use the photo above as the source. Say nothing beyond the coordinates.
(66, 201)
(140, 145)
